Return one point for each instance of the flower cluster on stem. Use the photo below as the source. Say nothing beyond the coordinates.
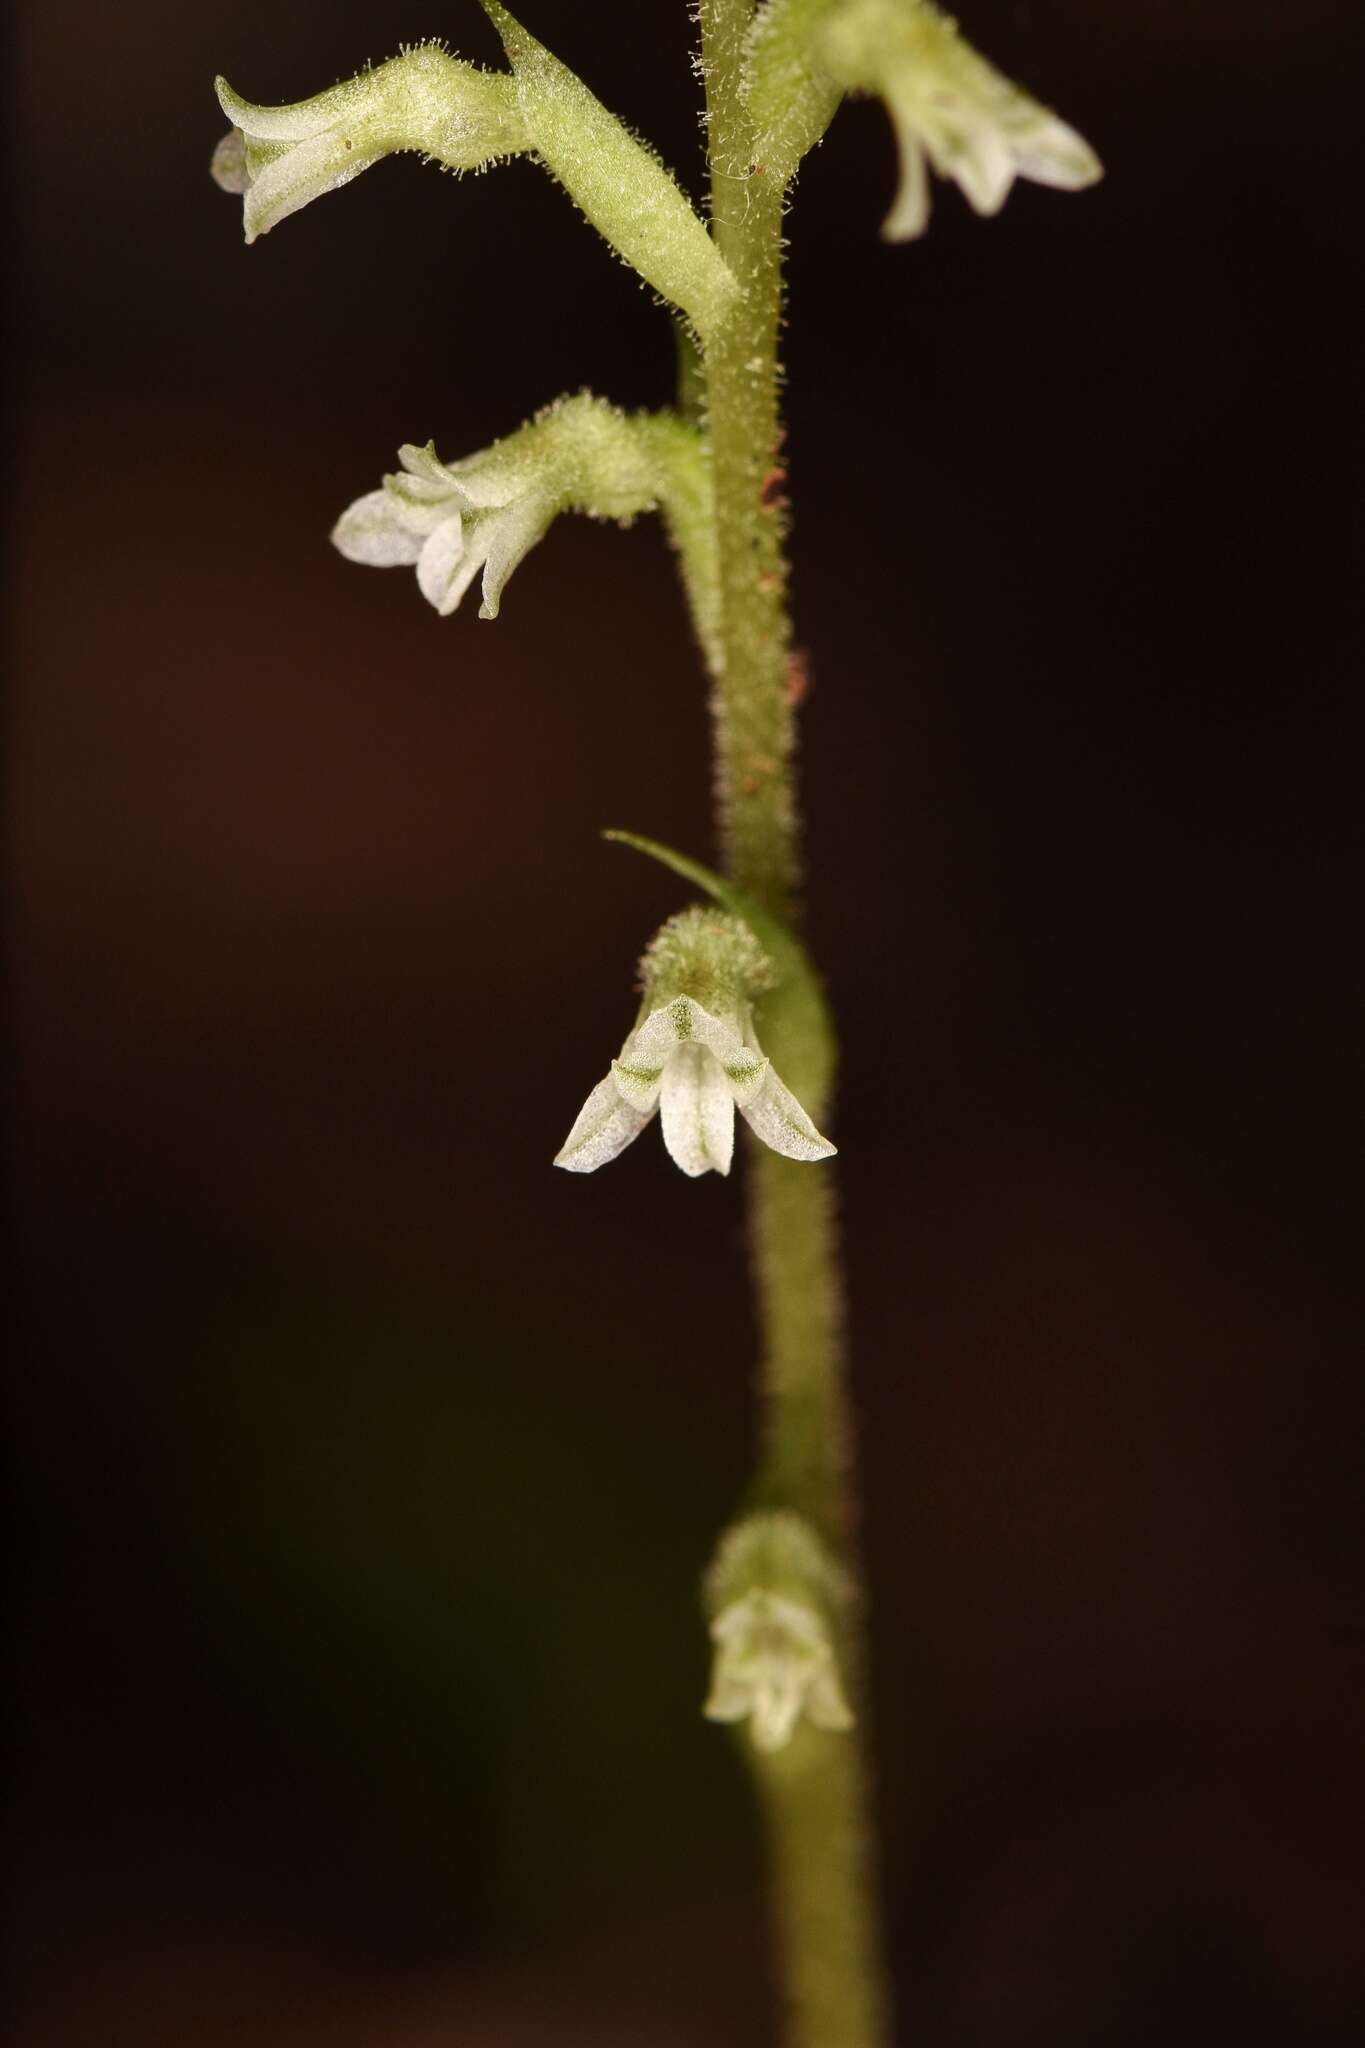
(781, 1597)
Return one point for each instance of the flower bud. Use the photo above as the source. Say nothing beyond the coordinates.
(279, 158)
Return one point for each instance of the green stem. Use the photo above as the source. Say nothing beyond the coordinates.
(752, 712)
(814, 1791)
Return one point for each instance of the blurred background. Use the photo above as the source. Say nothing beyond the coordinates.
(365, 1466)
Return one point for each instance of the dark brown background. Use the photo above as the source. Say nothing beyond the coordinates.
(366, 1464)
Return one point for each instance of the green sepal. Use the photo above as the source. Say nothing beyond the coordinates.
(618, 183)
(791, 99)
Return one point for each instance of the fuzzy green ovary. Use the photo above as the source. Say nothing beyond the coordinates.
(709, 955)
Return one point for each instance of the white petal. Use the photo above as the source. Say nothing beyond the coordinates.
(826, 1706)
(465, 575)
(422, 494)
(1051, 153)
(372, 530)
(279, 124)
(720, 1035)
(228, 168)
(778, 1119)
(971, 148)
(299, 175)
(603, 1127)
(511, 534)
(680, 1022)
(777, 1708)
(698, 1112)
(439, 563)
(637, 1085)
(746, 1074)
(426, 464)
(420, 507)
(909, 216)
(717, 1114)
(651, 1045)
(495, 477)
(729, 1699)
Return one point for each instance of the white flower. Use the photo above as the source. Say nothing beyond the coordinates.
(774, 1662)
(279, 158)
(448, 527)
(770, 1591)
(487, 511)
(696, 1069)
(947, 104)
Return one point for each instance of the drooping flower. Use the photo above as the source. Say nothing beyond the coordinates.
(452, 113)
(947, 105)
(487, 511)
(774, 1663)
(770, 1592)
(696, 1070)
(694, 1058)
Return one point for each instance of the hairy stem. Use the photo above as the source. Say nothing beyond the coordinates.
(813, 1791)
(753, 715)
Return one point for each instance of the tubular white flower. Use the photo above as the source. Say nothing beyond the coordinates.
(486, 512)
(695, 1062)
(452, 113)
(770, 1593)
(947, 104)
(774, 1663)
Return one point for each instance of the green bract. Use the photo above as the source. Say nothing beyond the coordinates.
(791, 99)
(620, 185)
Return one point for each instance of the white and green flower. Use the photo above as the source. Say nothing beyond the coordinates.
(949, 108)
(774, 1664)
(695, 1070)
(693, 1058)
(452, 521)
(771, 1592)
(426, 517)
(451, 113)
